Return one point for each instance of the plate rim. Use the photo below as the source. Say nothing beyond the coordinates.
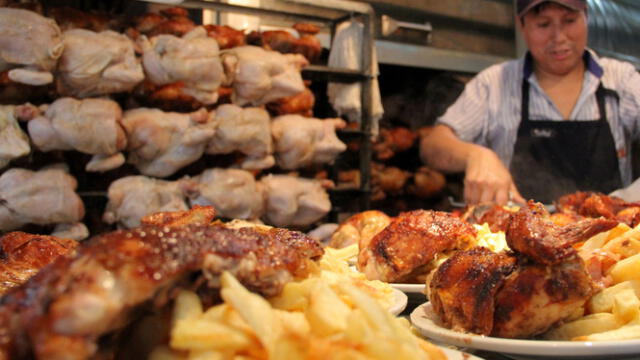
(400, 301)
(409, 288)
(428, 328)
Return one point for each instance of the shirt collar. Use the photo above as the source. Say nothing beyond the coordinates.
(589, 57)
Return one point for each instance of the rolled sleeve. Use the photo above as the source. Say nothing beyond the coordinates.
(468, 116)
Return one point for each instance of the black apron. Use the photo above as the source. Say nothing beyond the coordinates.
(554, 158)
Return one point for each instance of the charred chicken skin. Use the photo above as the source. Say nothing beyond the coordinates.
(62, 311)
(594, 204)
(410, 242)
(22, 255)
(542, 283)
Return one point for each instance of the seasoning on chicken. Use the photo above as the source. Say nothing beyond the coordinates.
(22, 255)
(62, 311)
(410, 242)
(543, 283)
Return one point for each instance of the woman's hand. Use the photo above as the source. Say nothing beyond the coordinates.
(488, 180)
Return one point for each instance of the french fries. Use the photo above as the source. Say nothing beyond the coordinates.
(614, 312)
(323, 326)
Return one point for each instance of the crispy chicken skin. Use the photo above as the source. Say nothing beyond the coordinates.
(535, 297)
(22, 255)
(463, 289)
(532, 234)
(410, 242)
(595, 204)
(542, 283)
(62, 311)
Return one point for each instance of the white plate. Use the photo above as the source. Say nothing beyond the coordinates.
(452, 354)
(427, 323)
(405, 288)
(409, 288)
(399, 302)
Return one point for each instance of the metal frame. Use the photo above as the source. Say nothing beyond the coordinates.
(351, 9)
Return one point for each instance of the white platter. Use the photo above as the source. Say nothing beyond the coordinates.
(399, 302)
(426, 322)
(409, 288)
(452, 354)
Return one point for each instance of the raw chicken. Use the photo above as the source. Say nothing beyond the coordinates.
(245, 130)
(161, 143)
(193, 60)
(30, 46)
(95, 64)
(234, 193)
(260, 76)
(38, 197)
(294, 201)
(133, 197)
(301, 141)
(91, 126)
(14, 143)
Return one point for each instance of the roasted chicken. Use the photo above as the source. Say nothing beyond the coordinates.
(593, 204)
(520, 294)
(359, 229)
(22, 255)
(405, 248)
(81, 297)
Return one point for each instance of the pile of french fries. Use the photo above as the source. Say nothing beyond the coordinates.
(614, 312)
(310, 320)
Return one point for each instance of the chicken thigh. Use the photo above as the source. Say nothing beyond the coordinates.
(94, 64)
(133, 197)
(301, 141)
(91, 126)
(245, 130)
(30, 46)
(38, 197)
(294, 201)
(161, 143)
(234, 193)
(192, 60)
(260, 76)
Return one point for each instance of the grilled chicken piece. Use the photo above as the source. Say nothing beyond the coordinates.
(23, 255)
(198, 215)
(535, 297)
(359, 229)
(545, 283)
(411, 242)
(531, 234)
(594, 204)
(62, 311)
(462, 290)
(496, 216)
(226, 36)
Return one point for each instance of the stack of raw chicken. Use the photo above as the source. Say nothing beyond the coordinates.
(152, 95)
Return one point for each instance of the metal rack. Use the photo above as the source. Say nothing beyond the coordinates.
(345, 9)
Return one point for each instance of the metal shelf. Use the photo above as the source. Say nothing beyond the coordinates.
(325, 73)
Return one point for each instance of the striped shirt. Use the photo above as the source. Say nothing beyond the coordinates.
(488, 111)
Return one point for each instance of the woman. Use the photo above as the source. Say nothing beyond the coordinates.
(557, 120)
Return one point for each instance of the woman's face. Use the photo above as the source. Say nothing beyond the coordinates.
(556, 37)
